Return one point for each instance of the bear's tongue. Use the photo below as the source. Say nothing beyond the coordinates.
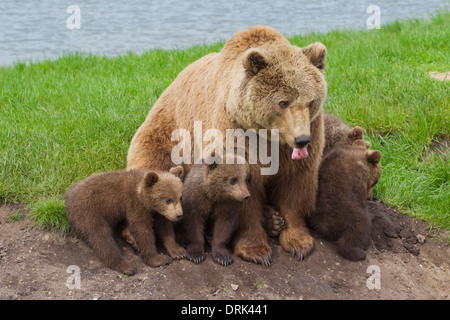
(298, 153)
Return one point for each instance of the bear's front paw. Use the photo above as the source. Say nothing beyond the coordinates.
(350, 253)
(196, 256)
(157, 260)
(222, 256)
(297, 242)
(252, 252)
(195, 252)
(124, 267)
(177, 252)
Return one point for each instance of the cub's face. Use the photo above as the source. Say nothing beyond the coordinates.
(227, 181)
(283, 89)
(375, 170)
(162, 193)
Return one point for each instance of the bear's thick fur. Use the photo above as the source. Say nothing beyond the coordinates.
(259, 81)
(213, 191)
(347, 175)
(103, 201)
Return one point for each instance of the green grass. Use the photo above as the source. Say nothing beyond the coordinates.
(63, 120)
(50, 213)
(15, 217)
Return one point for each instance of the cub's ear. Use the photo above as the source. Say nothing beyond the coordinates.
(150, 179)
(254, 61)
(177, 171)
(356, 133)
(317, 54)
(373, 156)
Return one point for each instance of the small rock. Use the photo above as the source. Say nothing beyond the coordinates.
(234, 287)
(420, 238)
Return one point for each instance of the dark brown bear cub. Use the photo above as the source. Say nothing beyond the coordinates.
(213, 191)
(136, 198)
(347, 175)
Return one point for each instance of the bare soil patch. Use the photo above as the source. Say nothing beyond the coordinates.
(441, 76)
(412, 260)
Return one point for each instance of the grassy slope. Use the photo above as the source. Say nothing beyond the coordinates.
(63, 120)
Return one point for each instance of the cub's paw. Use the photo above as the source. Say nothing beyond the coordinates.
(124, 267)
(276, 223)
(157, 260)
(222, 257)
(296, 241)
(177, 252)
(196, 255)
(351, 253)
(126, 234)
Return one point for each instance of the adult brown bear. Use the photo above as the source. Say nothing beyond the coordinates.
(257, 81)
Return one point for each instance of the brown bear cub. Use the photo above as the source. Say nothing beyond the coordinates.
(213, 191)
(347, 175)
(96, 206)
(339, 133)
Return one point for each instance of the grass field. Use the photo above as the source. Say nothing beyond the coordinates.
(63, 120)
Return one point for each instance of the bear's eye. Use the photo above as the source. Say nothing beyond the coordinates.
(168, 201)
(284, 104)
(311, 104)
(233, 181)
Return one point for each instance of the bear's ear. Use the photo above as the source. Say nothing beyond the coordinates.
(373, 156)
(150, 179)
(356, 133)
(177, 171)
(254, 61)
(317, 54)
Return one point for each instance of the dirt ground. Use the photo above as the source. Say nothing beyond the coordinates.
(42, 264)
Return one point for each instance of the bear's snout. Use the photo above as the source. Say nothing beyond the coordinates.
(179, 215)
(246, 197)
(302, 141)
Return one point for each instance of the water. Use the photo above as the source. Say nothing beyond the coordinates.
(33, 30)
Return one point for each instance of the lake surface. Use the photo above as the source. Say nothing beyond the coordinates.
(37, 29)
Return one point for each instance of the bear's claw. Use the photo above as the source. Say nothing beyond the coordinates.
(297, 242)
(224, 260)
(196, 258)
(299, 254)
(265, 261)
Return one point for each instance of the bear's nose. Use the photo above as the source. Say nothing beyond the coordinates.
(179, 215)
(246, 196)
(302, 141)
